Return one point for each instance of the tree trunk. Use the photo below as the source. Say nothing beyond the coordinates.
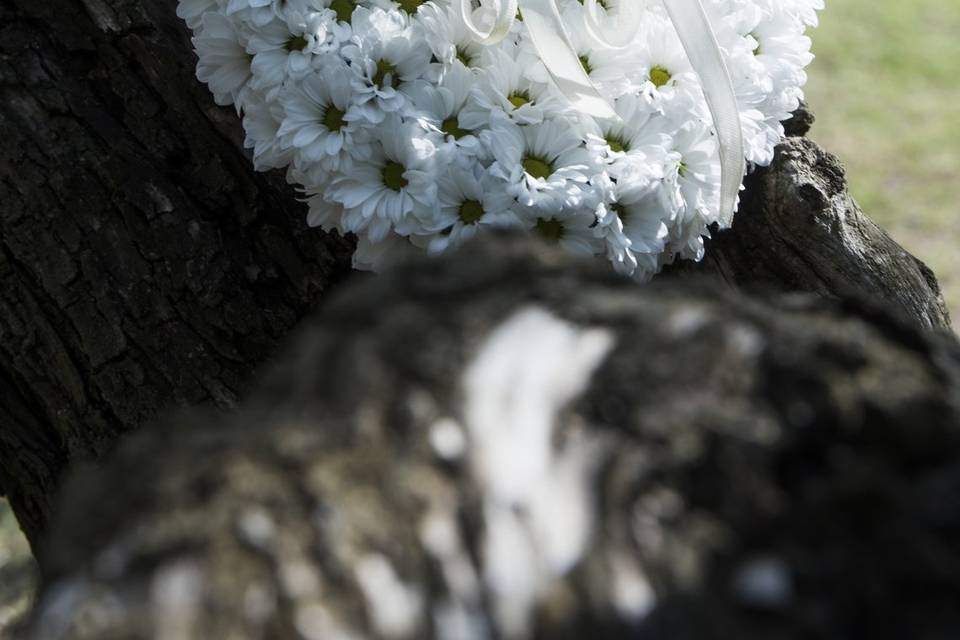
(143, 264)
(800, 230)
(525, 448)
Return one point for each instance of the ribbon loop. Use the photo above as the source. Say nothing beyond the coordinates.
(504, 15)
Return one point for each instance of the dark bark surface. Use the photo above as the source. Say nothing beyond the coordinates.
(142, 261)
(799, 229)
(737, 469)
(143, 264)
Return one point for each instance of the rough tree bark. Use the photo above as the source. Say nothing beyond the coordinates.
(526, 448)
(142, 261)
(143, 264)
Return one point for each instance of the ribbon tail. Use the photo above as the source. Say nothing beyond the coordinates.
(553, 44)
(700, 43)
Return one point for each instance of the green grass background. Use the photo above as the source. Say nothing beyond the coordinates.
(885, 88)
(886, 92)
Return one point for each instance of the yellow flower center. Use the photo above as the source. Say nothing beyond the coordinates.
(659, 76)
(451, 127)
(296, 43)
(617, 144)
(471, 211)
(585, 63)
(552, 230)
(410, 6)
(621, 211)
(464, 57)
(538, 167)
(384, 69)
(393, 175)
(333, 118)
(344, 9)
(518, 99)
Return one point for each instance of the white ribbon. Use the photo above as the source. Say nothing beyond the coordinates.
(700, 43)
(551, 40)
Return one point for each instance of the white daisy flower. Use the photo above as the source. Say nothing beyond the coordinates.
(805, 10)
(447, 34)
(409, 7)
(393, 190)
(544, 164)
(191, 11)
(262, 12)
(782, 49)
(379, 255)
(440, 107)
(321, 122)
(505, 88)
(261, 123)
(287, 48)
(661, 69)
(692, 177)
(322, 211)
(467, 200)
(643, 217)
(570, 227)
(635, 144)
(224, 64)
(609, 229)
(259, 12)
(385, 52)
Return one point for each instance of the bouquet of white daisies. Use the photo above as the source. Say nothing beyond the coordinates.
(418, 124)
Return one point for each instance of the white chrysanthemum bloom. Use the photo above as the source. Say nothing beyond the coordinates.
(692, 186)
(660, 68)
(570, 227)
(544, 164)
(636, 144)
(609, 229)
(261, 12)
(409, 7)
(321, 211)
(692, 175)
(440, 107)
(643, 216)
(379, 255)
(191, 11)
(224, 64)
(261, 122)
(447, 34)
(783, 49)
(385, 52)
(321, 122)
(805, 10)
(287, 48)
(395, 189)
(505, 88)
(467, 200)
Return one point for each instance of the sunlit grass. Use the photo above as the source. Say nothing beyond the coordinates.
(886, 91)
(16, 570)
